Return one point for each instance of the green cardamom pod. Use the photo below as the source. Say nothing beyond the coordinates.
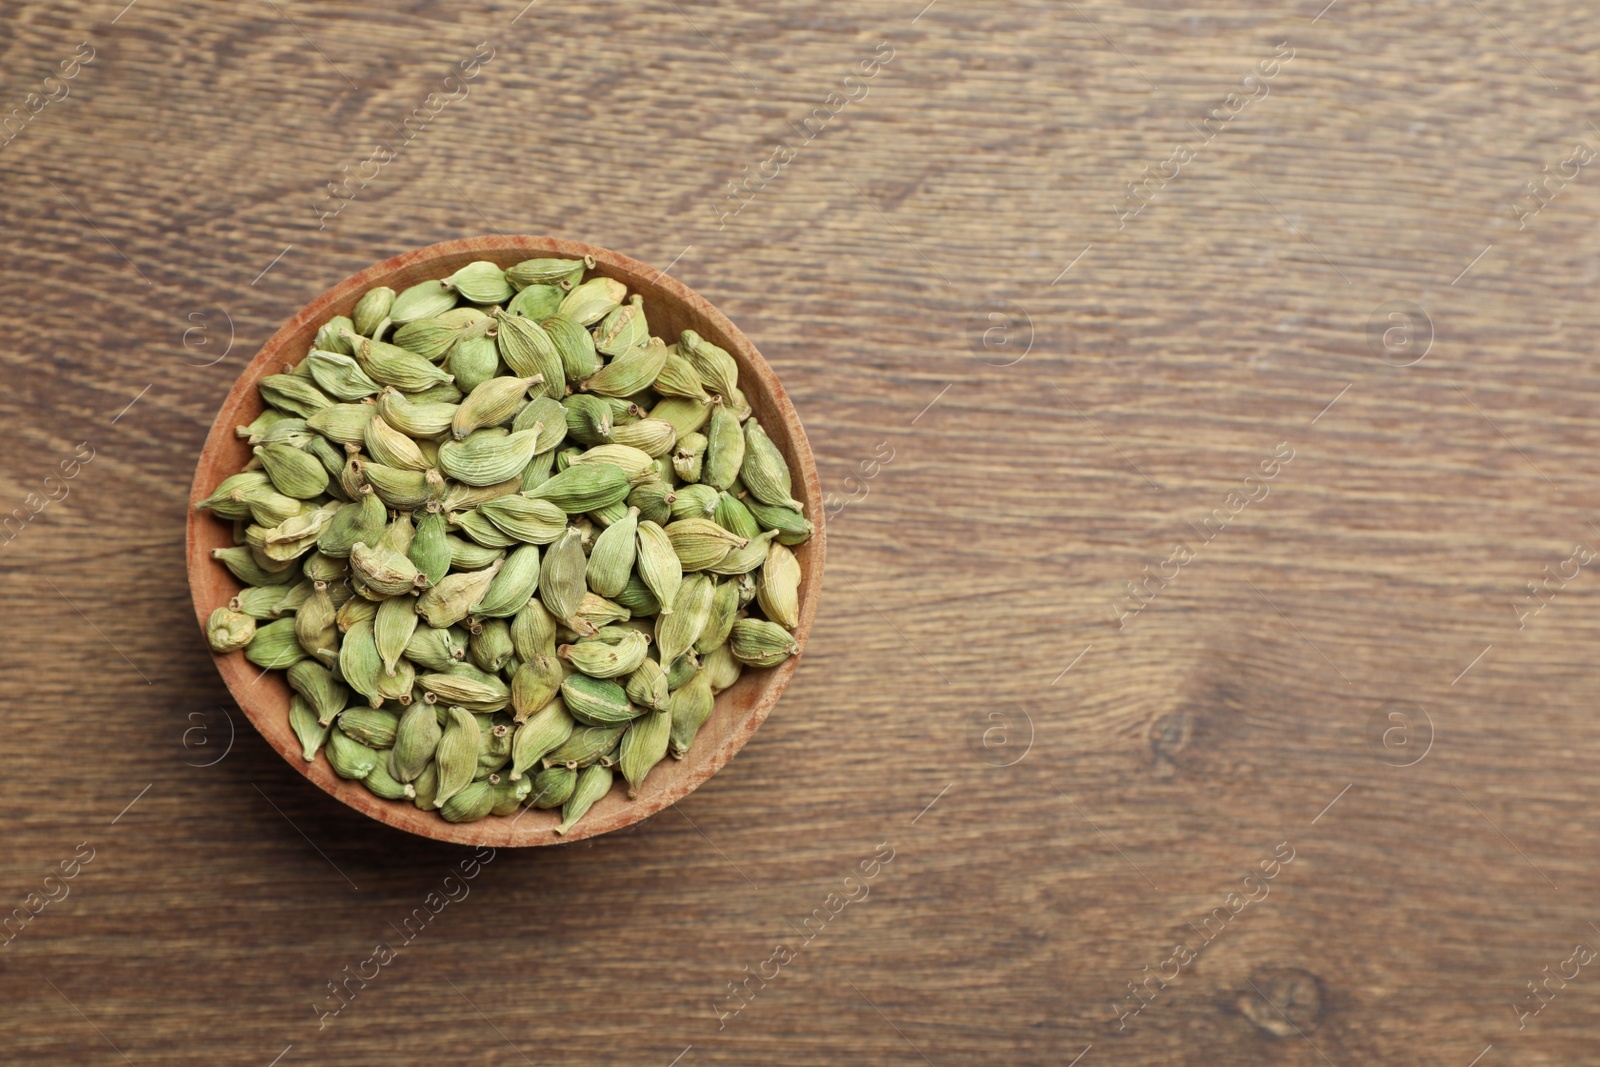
(596, 701)
(508, 794)
(595, 611)
(725, 448)
(679, 378)
(562, 582)
(293, 394)
(325, 694)
(430, 551)
(229, 631)
(574, 343)
(513, 586)
(494, 746)
(427, 786)
(457, 754)
(636, 463)
(435, 648)
(390, 447)
(701, 543)
(469, 688)
(724, 610)
(746, 558)
(373, 727)
(659, 565)
(589, 418)
(424, 300)
(293, 472)
(354, 610)
(689, 706)
(536, 302)
(389, 364)
(586, 745)
(526, 519)
(686, 414)
(474, 801)
(348, 757)
(594, 782)
(473, 361)
(414, 419)
(481, 282)
(552, 786)
(416, 738)
(265, 602)
(592, 301)
(536, 682)
(385, 572)
(478, 528)
(677, 631)
(359, 662)
(548, 416)
(490, 646)
(340, 376)
(647, 686)
(688, 460)
(630, 372)
(493, 403)
(382, 784)
(653, 437)
(615, 549)
(695, 502)
(764, 472)
(539, 735)
(229, 500)
(644, 746)
(330, 336)
(584, 487)
(489, 456)
(343, 424)
(718, 370)
(793, 528)
(779, 590)
(392, 628)
(530, 352)
(361, 521)
(467, 556)
(372, 309)
(243, 565)
(623, 328)
(275, 646)
(598, 659)
(760, 643)
(402, 490)
(319, 567)
(311, 733)
(722, 668)
(548, 271)
(732, 515)
(680, 670)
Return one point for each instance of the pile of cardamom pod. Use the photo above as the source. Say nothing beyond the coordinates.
(504, 541)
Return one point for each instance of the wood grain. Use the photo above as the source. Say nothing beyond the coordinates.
(1066, 799)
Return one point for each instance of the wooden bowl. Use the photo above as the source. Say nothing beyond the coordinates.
(670, 307)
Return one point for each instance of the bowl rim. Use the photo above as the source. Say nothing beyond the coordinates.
(504, 831)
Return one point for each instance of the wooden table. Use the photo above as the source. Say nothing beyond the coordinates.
(1320, 386)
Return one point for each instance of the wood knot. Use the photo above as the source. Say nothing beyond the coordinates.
(1167, 737)
(1282, 1001)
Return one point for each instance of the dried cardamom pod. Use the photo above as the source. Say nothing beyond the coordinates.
(293, 472)
(416, 738)
(430, 549)
(716, 367)
(229, 631)
(793, 528)
(598, 659)
(359, 663)
(593, 783)
(373, 727)
(530, 352)
(584, 487)
(695, 502)
(653, 437)
(724, 610)
(311, 733)
(586, 745)
(647, 686)
(493, 403)
(659, 566)
(469, 688)
(623, 329)
(721, 668)
(527, 519)
(348, 757)
(435, 648)
(536, 302)
(340, 376)
(481, 282)
(275, 646)
(384, 571)
(677, 631)
(574, 343)
(688, 460)
(486, 457)
(390, 447)
(389, 364)
(490, 645)
(630, 372)
(538, 735)
(473, 361)
(760, 643)
(552, 786)
(448, 602)
(689, 706)
(372, 309)
(325, 694)
(456, 755)
(382, 784)
(701, 543)
(593, 300)
(508, 795)
(615, 549)
(562, 582)
(513, 586)
(679, 378)
(413, 418)
(473, 802)
(548, 272)
(421, 301)
(644, 746)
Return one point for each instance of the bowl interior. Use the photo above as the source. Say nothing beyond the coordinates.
(670, 308)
